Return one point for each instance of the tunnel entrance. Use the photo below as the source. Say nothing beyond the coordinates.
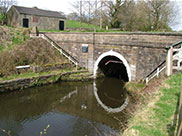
(113, 64)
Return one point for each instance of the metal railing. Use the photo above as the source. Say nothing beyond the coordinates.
(156, 72)
(57, 47)
(162, 66)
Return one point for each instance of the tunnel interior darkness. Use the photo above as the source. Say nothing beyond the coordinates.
(112, 66)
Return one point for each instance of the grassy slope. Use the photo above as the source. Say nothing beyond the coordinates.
(74, 24)
(158, 117)
(12, 37)
(16, 50)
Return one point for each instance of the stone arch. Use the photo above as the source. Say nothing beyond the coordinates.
(115, 54)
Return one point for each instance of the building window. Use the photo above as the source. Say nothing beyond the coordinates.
(35, 19)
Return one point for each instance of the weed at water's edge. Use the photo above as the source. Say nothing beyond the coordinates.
(44, 132)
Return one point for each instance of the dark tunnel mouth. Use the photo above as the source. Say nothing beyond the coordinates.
(112, 66)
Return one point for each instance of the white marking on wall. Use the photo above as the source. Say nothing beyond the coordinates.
(112, 53)
(133, 71)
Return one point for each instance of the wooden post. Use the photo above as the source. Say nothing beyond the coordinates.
(179, 128)
(178, 65)
(169, 62)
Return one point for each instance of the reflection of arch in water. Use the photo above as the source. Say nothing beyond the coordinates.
(109, 109)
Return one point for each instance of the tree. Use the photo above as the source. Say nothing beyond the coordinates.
(114, 12)
(153, 15)
(78, 9)
(141, 15)
(87, 11)
(159, 12)
(73, 16)
(142, 21)
(126, 15)
(4, 6)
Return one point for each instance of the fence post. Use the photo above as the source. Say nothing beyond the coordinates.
(179, 128)
(158, 72)
(169, 62)
(147, 80)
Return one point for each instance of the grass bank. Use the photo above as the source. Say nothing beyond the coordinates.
(74, 26)
(11, 37)
(158, 116)
(34, 52)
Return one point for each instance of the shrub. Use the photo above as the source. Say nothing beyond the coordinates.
(3, 19)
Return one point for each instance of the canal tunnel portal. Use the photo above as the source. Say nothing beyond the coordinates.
(113, 64)
(139, 53)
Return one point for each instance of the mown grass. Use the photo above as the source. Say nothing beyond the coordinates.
(158, 116)
(76, 24)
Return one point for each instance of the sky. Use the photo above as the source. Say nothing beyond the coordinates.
(55, 5)
(65, 6)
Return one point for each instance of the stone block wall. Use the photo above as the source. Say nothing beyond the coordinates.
(72, 43)
(38, 69)
(49, 23)
(13, 18)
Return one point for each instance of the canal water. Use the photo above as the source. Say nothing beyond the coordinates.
(69, 108)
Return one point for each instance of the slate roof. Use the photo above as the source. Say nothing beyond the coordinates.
(39, 12)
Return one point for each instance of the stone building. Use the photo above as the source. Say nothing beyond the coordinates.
(33, 17)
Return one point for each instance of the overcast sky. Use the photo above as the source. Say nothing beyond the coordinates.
(65, 6)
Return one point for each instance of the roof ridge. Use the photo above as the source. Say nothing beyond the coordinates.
(35, 8)
(39, 12)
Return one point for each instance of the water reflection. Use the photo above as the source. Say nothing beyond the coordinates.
(71, 109)
(111, 94)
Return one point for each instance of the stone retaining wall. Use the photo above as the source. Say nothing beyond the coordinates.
(18, 84)
(46, 68)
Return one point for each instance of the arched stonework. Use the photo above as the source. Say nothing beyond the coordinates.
(112, 53)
